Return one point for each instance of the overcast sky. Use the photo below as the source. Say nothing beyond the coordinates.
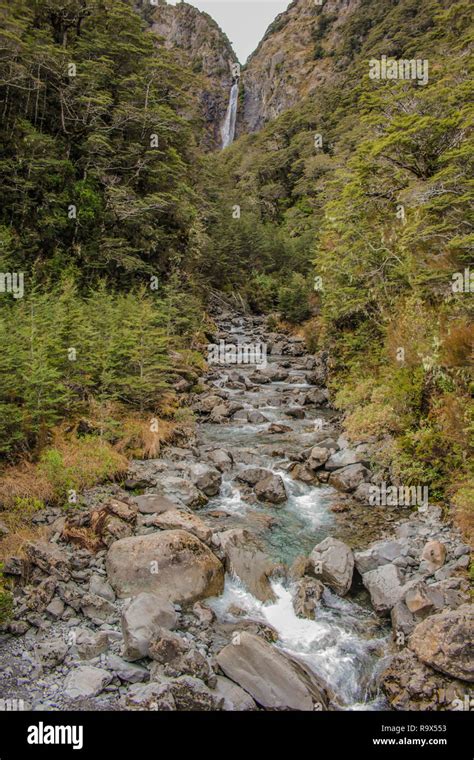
(244, 21)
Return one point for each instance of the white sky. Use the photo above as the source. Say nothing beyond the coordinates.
(244, 21)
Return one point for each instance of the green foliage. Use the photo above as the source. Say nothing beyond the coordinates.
(107, 138)
(63, 351)
(293, 299)
(426, 457)
(6, 600)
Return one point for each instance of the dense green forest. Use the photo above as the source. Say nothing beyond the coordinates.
(352, 217)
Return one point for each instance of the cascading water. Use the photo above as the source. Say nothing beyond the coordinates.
(228, 130)
(344, 643)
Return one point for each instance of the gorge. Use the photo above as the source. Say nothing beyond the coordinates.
(236, 400)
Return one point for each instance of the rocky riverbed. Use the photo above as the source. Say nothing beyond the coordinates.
(245, 569)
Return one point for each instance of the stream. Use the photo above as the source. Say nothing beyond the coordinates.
(345, 644)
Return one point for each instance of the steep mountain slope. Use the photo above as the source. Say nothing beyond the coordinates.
(203, 48)
(295, 57)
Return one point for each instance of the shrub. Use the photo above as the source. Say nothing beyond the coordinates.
(293, 299)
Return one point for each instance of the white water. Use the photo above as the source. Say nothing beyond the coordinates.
(333, 645)
(344, 643)
(228, 130)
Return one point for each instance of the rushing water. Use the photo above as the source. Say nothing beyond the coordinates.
(345, 644)
(228, 130)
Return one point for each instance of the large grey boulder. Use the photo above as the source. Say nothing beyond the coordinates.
(182, 491)
(178, 518)
(349, 478)
(444, 642)
(207, 479)
(173, 564)
(380, 553)
(274, 680)
(90, 644)
(245, 559)
(344, 458)
(221, 459)
(51, 652)
(333, 563)
(317, 457)
(271, 489)
(385, 587)
(142, 617)
(252, 475)
(86, 681)
(151, 503)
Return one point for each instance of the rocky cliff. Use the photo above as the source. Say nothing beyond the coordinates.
(204, 48)
(294, 58)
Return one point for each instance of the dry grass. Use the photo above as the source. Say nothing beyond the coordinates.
(141, 438)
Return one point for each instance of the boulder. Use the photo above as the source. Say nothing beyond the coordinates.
(296, 412)
(343, 458)
(191, 694)
(128, 672)
(206, 478)
(177, 518)
(205, 405)
(255, 417)
(385, 587)
(173, 564)
(278, 427)
(150, 696)
(141, 618)
(273, 679)
(245, 559)
(378, 554)
(442, 641)
(151, 503)
(182, 491)
(223, 460)
(433, 555)
(98, 586)
(271, 489)
(51, 653)
(318, 456)
(86, 681)
(235, 698)
(97, 608)
(89, 644)
(252, 475)
(333, 562)
(174, 656)
(349, 478)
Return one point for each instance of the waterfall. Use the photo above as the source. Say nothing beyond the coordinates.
(228, 130)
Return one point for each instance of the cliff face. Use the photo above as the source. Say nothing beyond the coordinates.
(204, 48)
(294, 58)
